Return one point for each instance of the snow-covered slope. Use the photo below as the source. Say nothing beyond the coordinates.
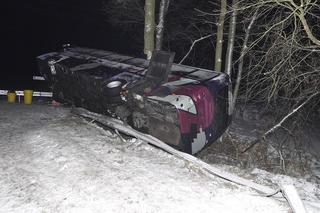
(53, 161)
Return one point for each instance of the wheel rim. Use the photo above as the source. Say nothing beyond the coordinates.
(114, 84)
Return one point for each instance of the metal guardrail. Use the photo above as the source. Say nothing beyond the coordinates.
(35, 93)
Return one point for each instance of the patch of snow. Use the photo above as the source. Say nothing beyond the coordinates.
(53, 161)
(307, 191)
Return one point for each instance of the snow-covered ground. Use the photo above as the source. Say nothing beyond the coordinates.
(54, 161)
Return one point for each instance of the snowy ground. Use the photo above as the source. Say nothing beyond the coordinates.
(53, 161)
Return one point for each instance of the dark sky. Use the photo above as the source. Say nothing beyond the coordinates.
(34, 27)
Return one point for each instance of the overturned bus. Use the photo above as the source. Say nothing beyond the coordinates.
(186, 107)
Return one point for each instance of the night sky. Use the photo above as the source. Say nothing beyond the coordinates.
(31, 28)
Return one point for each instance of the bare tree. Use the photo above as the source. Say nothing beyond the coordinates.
(149, 27)
(164, 5)
(241, 60)
(300, 11)
(231, 37)
(230, 48)
(281, 52)
(133, 15)
(219, 41)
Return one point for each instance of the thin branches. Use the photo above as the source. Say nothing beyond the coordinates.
(281, 122)
(192, 45)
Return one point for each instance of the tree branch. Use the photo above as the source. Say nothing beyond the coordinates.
(279, 124)
(192, 45)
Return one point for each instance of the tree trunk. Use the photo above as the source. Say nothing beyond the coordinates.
(164, 4)
(218, 54)
(149, 26)
(231, 37)
(241, 61)
(229, 59)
